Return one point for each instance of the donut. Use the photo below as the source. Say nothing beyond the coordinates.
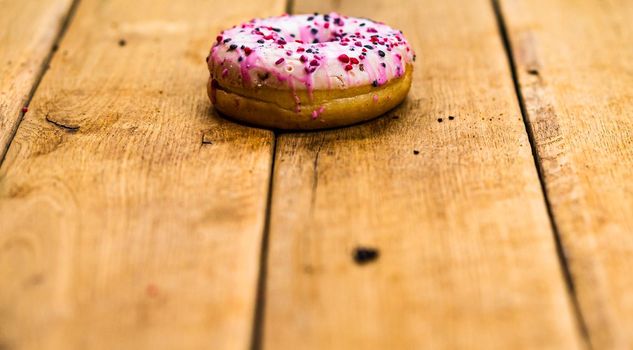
(309, 71)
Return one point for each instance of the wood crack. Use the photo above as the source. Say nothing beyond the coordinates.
(65, 127)
(315, 174)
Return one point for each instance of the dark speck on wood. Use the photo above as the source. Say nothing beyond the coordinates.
(365, 255)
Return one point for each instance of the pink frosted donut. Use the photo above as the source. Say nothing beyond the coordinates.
(309, 71)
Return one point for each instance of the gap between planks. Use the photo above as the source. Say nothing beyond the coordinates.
(260, 302)
(40, 75)
(560, 250)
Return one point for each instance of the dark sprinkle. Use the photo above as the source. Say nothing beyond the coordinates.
(316, 13)
(416, 152)
(232, 47)
(414, 58)
(326, 18)
(226, 40)
(276, 29)
(261, 41)
(369, 47)
(314, 30)
(383, 64)
(381, 53)
(310, 18)
(364, 255)
(309, 50)
(239, 59)
(362, 25)
(374, 83)
(439, 120)
(292, 35)
(337, 20)
(242, 47)
(315, 41)
(122, 42)
(450, 117)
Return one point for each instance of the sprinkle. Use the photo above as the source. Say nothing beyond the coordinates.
(25, 109)
(358, 44)
(314, 31)
(300, 49)
(326, 25)
(369, 47)
(353, 60)
(343, 58)
(374, 83)
(314, 63)
(279, 61)
(240, 59)
(315, 41)
(311, 18)
(349, 67)
(362, 24)
(226, 40)
(281, 42)
(381, 53)
(247, 51)
(303, 58)
(383, 64)
(232, 47)
(260, 41)
(218, 38)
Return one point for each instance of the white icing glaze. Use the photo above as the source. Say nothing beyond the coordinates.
(310, 52)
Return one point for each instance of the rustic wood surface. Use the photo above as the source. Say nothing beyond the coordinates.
(497, 198)
(131, 215)
(28, 30)
(467, 256)
(575, 69)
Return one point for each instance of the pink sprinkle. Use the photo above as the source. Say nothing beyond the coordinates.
(303, 58)
(247, 51)
(343, 58)
(219, 38)
(279, 61)
(316, 113)
(353, 60)
(358, 44)
(349, 67)
(314, 63)
(300, 49)
(371, 30)
(326, 25)
(25, 109)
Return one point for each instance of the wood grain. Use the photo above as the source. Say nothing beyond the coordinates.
(574, 63)
(28, 30)
(131, 215)
(467, 257)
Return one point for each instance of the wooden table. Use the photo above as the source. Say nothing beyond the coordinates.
(498, 198)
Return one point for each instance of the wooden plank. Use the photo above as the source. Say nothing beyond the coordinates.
(467, 258)
(29, 28)
(574, 62)
(132, 215)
